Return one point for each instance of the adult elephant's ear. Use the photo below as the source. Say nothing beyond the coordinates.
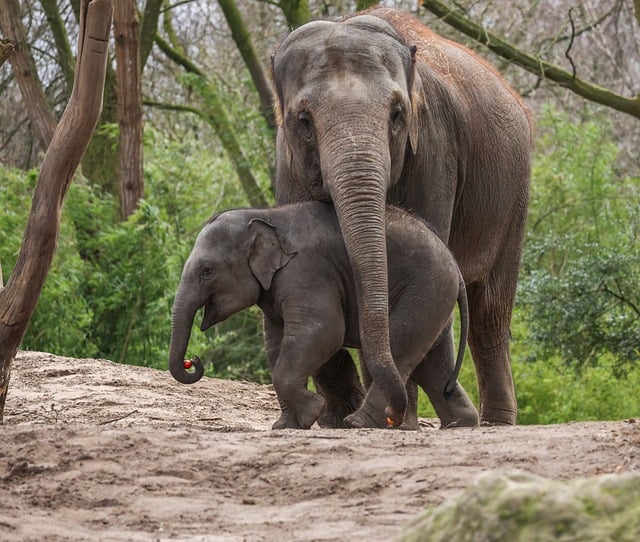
(417, 100)
(267, 254)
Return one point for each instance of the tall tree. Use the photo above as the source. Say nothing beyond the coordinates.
(42, 120)
(70, 139)
(129, 91)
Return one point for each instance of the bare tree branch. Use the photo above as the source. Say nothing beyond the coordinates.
(215, 115)
(148, 29)
(533, 63)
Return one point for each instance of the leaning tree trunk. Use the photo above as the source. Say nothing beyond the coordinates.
(19, 297)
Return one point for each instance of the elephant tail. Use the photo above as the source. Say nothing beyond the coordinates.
(463, 307)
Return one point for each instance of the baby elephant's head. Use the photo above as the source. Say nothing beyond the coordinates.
(234, 258)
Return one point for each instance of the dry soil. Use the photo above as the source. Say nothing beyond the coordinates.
(92, 450)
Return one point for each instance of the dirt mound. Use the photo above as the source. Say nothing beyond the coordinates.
(93, 450)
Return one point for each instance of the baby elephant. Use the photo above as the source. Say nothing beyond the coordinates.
(291, 261)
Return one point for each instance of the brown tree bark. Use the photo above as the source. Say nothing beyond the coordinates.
(6, 48)
(19, 297)
(129, 90)
(40, 114)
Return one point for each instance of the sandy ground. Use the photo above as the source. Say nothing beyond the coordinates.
(96, 451)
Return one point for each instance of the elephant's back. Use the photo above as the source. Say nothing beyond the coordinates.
(414, 245)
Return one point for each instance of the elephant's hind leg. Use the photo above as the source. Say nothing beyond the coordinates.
(338, 382)
(490, 309)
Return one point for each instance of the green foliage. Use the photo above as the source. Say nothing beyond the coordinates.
(60, 301)
(110, 290)
(579, 283)
(552, 391)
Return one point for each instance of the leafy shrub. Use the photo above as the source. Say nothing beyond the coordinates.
(578, 288)
(110, 289)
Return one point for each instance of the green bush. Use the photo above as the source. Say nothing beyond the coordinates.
(578, 287)
(111, 285)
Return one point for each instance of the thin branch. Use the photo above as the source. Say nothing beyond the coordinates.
(177, 57)
(181, 108)
(568, 50)
(533, 63)
(119, 418)
(620, 297)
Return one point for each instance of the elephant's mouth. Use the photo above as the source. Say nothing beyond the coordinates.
(210, 315)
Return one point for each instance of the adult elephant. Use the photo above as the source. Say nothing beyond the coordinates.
(377, 107)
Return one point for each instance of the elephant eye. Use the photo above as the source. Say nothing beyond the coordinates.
(206, 273)
(395, 116)
(305, 124)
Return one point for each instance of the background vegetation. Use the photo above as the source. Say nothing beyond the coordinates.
(576, 327)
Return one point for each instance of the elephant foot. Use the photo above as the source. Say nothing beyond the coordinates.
(362, 418)
(312, 409)
(498, 416)
(302, 418)
(287, 420)
(410, 423)
(336, 410)
(467, 417)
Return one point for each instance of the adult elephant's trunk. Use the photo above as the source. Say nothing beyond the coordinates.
(181, 324)
(357, 182)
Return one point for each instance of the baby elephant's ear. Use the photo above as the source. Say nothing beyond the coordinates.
(267, 254)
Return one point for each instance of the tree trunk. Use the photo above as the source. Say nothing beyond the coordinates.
(40, 114)
(148, 29)
(19, 297)
(129, 90)
(296, 12)
(242, 39)
(63, 48)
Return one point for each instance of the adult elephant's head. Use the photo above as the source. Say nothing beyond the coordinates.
(347, 115)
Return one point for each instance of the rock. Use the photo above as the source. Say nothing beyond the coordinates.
(517, 506)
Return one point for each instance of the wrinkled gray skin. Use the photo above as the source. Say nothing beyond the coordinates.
(376, 108)
(292, 262)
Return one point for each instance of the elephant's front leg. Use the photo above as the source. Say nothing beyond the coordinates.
(305, 347)
(273, 331)
(300, 407)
